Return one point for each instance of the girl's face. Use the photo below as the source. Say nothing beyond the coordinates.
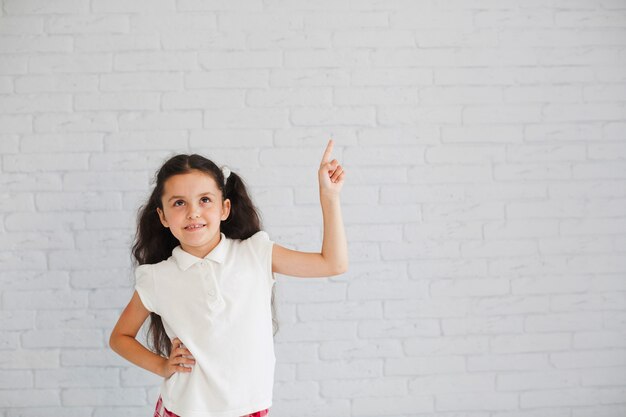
(194, 198)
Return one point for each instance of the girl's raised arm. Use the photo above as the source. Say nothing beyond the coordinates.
(333, 259)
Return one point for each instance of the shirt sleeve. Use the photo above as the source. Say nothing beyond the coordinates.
(144, 284)
(262, 246)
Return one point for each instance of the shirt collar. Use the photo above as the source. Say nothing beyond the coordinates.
(185, 260)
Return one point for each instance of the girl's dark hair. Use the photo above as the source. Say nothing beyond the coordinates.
(154, 242)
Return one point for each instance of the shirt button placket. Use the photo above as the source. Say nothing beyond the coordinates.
(214, 298)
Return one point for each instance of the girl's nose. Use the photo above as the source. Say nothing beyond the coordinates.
(193, 211)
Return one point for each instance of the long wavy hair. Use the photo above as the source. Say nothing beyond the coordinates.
(154, 243)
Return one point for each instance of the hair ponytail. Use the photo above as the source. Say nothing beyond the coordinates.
(243, 220)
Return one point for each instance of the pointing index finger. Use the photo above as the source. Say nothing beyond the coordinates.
(327, 152)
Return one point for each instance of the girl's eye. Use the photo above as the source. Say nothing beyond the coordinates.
(203, 198)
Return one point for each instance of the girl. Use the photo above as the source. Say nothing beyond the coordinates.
(207, 285)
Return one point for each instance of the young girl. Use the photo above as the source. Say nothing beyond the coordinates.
(207, 285)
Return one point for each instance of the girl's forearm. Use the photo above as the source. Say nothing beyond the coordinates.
(334, 245)
(130, 349)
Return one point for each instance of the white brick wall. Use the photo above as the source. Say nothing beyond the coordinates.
(485, 199)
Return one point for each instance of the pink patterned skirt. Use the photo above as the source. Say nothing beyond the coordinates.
(161, 411)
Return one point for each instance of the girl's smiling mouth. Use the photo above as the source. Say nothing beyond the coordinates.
(193, 227)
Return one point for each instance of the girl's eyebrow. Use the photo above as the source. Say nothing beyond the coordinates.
(182, 196)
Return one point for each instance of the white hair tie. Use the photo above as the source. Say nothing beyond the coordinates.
(226, 172)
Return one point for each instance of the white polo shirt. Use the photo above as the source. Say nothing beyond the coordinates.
(219, 306)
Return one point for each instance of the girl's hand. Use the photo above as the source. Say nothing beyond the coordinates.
(331, 174)
(176, 360)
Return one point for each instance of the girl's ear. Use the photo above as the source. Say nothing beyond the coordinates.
(225, 209)
(162, 217)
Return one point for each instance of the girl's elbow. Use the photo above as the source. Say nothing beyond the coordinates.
(341, 269)
(345, 266)
(112, 341)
